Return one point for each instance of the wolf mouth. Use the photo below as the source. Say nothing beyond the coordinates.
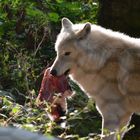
(67, 72)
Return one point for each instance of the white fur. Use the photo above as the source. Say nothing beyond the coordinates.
(105, 64)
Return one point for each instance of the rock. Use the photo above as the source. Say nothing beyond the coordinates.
(9, 133)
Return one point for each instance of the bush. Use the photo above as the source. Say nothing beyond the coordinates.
(28, 31)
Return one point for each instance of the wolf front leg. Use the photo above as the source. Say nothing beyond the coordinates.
(113, 120)
(109, 127)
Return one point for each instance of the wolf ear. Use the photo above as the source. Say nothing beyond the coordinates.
(84, 32)
(66, 24)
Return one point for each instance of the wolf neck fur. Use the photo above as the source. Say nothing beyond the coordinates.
(91, 59)
(84, 67)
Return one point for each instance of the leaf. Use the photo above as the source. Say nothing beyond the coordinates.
(118, 137)
(53, 17)
(74, 6)
(1, 29)
(16, 109)
(29, 127)
(6, 94)
(3, 115)
(6, 102)
(60, 1)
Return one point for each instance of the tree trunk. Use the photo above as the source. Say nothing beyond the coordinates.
(123, 16)
(120, 15)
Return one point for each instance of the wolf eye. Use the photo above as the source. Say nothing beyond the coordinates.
(67, 53)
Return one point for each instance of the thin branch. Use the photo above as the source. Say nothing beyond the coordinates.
(42, 40)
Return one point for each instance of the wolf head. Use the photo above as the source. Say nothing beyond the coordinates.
(67, 46)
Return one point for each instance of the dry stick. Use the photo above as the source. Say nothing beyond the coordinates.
(40, 43)
(12, 117)
(56, 99)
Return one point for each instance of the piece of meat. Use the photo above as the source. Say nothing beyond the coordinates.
(51, 87)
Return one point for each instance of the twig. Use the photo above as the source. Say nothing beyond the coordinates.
(40, 43)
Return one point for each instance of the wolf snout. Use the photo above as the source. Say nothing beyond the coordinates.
(53, 72)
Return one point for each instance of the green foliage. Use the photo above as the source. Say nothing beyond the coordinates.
(27, 33)
(28, 30)
(32, 118)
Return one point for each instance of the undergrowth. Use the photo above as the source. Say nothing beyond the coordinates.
(75, 124)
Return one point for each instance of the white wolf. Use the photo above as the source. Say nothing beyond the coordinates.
(106, 65)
